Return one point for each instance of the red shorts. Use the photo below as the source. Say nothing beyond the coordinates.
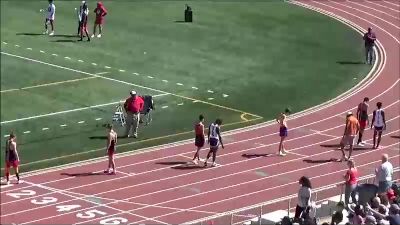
(111, 152)
(99, 20)
(13, 164)
(363, 124)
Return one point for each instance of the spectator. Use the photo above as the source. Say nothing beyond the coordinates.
(133, 106)
(393, 217)
(384, 199)
(376, 202)
(304, 197)
(370, 220)
(351, 178)
(384, 174)
(369, 40)
(337, 218)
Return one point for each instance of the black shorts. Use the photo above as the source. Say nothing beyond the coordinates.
(199, 141)
(378, 128)
(214, 143)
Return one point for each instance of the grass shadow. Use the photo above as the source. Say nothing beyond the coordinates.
(171, 163)
(179, 21)
(319, 160)
(30, 34)
(350, 62)
(86, 174)
(249, 156)
(66, 35)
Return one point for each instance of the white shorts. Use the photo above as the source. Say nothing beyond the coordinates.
(348, 139)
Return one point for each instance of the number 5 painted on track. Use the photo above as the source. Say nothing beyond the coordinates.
(90, 214)
(113, 221)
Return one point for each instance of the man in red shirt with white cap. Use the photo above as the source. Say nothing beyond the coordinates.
(133, 105)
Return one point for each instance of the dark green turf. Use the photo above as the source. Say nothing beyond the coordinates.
(264, 55)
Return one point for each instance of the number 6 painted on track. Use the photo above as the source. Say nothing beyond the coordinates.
(90, 214)
(114, 221)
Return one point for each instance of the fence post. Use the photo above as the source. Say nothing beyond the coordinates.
(288, 208)
(231, 218)
(259, 218)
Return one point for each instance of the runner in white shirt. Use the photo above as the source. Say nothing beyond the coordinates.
(214, 139)
(51, 12)
(384, 174)
(379, 123)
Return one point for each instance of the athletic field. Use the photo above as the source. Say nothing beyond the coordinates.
(243, 62)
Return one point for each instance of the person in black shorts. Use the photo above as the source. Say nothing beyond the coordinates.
(11, 157)
(199, 138)
(214, 139)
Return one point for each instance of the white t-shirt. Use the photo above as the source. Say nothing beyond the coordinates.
(385, 171)
(51, 11)
(214, 131)
(378, 118)
(304, 197)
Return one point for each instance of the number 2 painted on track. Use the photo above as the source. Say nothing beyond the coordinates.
(90, 214)
(22, 193)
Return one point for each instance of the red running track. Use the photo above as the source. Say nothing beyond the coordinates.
(158, 187)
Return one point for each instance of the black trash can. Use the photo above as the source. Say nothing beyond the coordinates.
(366, 192)
(188, 14)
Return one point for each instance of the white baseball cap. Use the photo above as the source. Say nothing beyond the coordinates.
(133, 92)
(349, 113)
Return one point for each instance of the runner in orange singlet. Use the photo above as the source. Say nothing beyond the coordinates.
(350, 132)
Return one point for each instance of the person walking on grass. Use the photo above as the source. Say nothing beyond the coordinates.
(303, 197)
(350, 132)
(111, 147)
(133, 106)
(214, 139)
(351, 180)
(11, 157)
(283, 130)
(362, 116)
(100, 12)
(199, 138)
(369, 42)
(379, 123)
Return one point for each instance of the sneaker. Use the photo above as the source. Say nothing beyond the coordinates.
(360, 144)
(107, 171)
(52, 33)
(46, 32)
(92, 36)
(205, 163)
(135, 135)
(99, 35)
(18, 182)
(8, 182)
(213, 164)
(282, 154)
(195, 162)
(364, 142)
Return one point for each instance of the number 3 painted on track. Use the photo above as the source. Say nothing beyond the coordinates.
(114, 221)
(90, 214)
(44, 201)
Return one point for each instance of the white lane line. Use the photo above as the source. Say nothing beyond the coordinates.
(80, 60)
(165, 81)
(179, 84)
(210, 98)
(98, 118)
(164, 107)
(180, 103)
(150, 77)
(121, 70)
(45, 128)
(81, 121)
(17, 46)
(27, 132)
(195, 101)
(29, 49)
(135, 74)
(225, 95)
(54, 54)
(5, 42)
(94, 64)
(195, 88)
(7, 135)
(101, 73)
(71, 110)
(63, 125)
(107, 67)
(210, 91)
(66, 57)
(41, 51)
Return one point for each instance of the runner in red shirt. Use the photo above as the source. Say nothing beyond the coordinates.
(111, 147)
(100, 12)
(351, 178)
(11, 157)
(199, 139)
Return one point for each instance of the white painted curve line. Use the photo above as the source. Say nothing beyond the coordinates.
(63, 125)
(165, 81)
(210, 98)
(164, 107)
(66, 57)
(150, 77)
(80, 60)
(26, 132)
(41, 51)
(29, 49)
(107, 67)
(180, 103)
(54, 54)
(195, 101)
(210, 91)
(94, 64)
(135, 74)
(7, 135)
(45, 128)
(225, 95)
(195, 88)
(5, 42)
(121, 71)
(180, 84)
(81, 121)
(17, 46)
(100, 73)
(98, 118)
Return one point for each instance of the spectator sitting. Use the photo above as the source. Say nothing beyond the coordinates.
(337, 218)
(370, 220)
(393, 217)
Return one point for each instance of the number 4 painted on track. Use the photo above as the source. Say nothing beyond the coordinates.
(66, 208)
